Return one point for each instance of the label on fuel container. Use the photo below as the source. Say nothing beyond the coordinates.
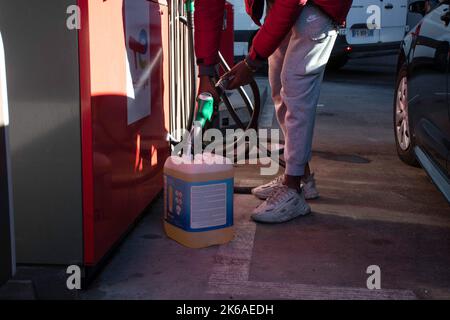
(199, 206)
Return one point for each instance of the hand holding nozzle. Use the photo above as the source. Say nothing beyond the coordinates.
(222, 84)
(206, 84)
(240, 75)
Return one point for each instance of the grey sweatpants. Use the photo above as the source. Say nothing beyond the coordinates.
(296, 72)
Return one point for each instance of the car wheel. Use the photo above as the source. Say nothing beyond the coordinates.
(404, 138)
(337, 62)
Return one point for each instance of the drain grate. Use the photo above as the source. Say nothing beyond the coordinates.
(350, 158)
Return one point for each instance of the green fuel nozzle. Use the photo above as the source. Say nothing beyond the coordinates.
(205, 108)
(189, 6)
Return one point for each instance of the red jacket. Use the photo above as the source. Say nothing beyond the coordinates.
(279, 21)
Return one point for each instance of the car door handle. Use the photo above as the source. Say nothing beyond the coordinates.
(446, 18)
(389, 6)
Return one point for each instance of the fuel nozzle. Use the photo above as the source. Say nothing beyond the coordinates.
(203, 113)
(189, 6)
(205, 108)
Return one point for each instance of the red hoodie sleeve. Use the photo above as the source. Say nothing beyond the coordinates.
(280, 20)
(208, 20)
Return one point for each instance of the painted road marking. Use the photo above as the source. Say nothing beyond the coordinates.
(230, 276)
(305, 292)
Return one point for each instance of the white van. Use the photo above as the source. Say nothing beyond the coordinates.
(355, 38)
(244, 28)
(374, 27)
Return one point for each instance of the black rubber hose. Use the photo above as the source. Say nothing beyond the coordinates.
(188, 22)
(242, 190)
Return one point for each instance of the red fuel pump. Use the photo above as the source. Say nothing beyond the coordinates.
(89, 122)
(124, 113)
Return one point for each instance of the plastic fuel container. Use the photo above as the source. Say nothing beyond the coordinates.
(198, 200)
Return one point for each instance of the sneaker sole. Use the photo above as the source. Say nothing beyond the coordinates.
(259, 196)
(278, 222)
(315, 197)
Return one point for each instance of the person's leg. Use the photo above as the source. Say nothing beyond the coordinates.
(304, 47)
(276, 61)
(307, 171)
(306, 56)
(309, 49)
(275, 66)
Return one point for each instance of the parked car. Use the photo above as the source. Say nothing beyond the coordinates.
(421, 104)
(365, 35)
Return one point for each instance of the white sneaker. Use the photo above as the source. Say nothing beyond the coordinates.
(264, 191)
(283, 205)
(308, 186)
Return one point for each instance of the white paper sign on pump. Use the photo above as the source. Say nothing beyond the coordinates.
(4, 119)
(137, 26)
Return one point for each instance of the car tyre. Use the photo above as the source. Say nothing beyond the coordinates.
(337, 62)
(404, 136)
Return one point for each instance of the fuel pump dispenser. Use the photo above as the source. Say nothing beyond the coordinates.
(88, 125)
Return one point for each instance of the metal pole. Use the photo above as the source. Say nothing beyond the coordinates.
(7, 250)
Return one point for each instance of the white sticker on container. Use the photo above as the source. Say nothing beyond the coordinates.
(208, 206)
